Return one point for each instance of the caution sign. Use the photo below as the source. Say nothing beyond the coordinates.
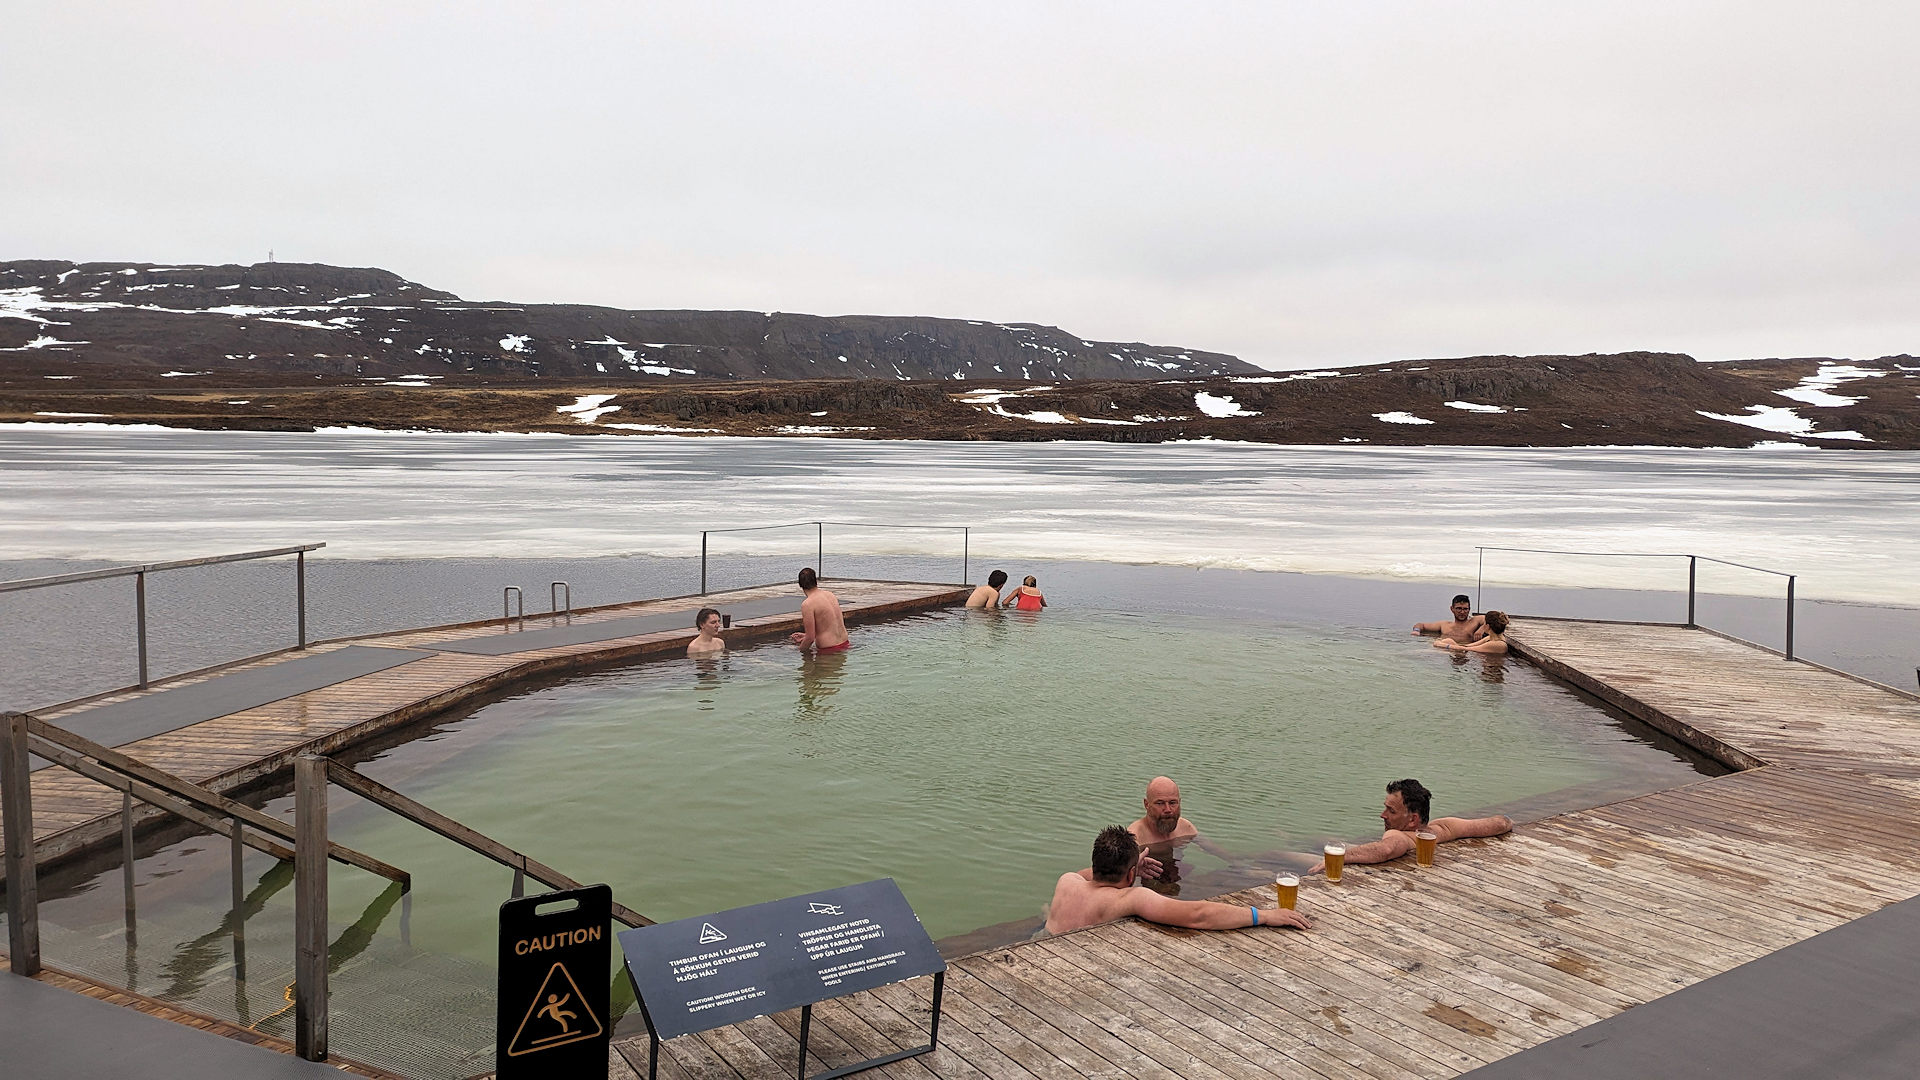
(556, 954)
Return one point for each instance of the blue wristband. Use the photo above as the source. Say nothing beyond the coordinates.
(1256, 914)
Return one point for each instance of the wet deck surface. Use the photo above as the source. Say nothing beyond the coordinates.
(1501, 946)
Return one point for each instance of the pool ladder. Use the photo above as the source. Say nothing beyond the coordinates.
(513, 603)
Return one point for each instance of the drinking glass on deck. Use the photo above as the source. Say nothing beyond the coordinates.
(1423, 844)
(1336, 856)
(1286, 890)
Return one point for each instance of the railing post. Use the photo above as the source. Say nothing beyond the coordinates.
(1480, 578)
(966, 538)
(126, 862)
(310, 907)
(1789, 616)
(140, 622)
(300, 594)
(239, 904)
(703, 562)
(16, 828)
(820, 549)
(1693, 573)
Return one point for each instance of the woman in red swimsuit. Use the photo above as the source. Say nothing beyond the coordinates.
(1025, 598)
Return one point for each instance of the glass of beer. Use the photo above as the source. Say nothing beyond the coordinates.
(1423, 843)
(1336, 855)
(1286, 890)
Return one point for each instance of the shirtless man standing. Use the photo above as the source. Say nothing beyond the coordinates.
(823, 626)
(1465, 628)
(988, 595)
(709, 641)
(1405, 813)
(1109, 894)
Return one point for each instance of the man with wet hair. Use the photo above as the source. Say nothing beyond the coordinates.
(1109, 894)
(988, 595)
(1465, 627)
(822, 625)
(709, 641)
(1404, 813)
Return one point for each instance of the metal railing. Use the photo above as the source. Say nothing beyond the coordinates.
(820, 541)
(23, 735)
(1693, 577)
(139, 575)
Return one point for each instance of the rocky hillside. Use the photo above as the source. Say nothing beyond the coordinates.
(1643, 399)
(293, 321)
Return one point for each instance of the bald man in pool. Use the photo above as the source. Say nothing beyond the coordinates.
(1107, 893)
(1404, 813)
(1161, 832)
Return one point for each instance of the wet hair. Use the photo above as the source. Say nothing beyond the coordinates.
(808, 579)
(702, 617)
(1030, 583)
(997, 578)
(1462, 599)
(1497, 621)
(1415, 795)
(1114, 852)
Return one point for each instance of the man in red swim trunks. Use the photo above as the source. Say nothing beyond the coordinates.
(823, 626)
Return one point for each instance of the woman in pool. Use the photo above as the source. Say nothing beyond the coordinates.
(1494, 642)
(1025, 598)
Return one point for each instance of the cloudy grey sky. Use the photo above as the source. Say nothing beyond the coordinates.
(1298, 184)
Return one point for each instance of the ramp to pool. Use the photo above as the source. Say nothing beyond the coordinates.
(220, 695)
(1504, 944)
(502, 643)
(97, 1039)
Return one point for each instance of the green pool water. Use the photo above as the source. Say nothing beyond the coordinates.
(970, 756)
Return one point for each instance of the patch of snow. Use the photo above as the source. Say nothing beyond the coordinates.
(43, 342)
(588, 408)
(664, 427)
(1474, 406)
(1400, 418)
(242, 401)
(844, 360)
(1219, 406)
(355, 296)
(88, 415)
(1116, 423)
(1158, 419)
(1814, 389)
(1772, 418)
(182, 374)
(815, 429)
(1353, 440)
(60, 376)
(516, 343)
(653, 369)
(822, 412)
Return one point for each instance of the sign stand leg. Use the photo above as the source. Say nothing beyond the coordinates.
(806, 1021)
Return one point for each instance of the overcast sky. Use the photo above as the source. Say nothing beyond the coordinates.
(1297, 184)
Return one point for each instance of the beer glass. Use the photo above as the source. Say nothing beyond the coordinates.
(1423, 843)
(1286, 890)
(1336, 855)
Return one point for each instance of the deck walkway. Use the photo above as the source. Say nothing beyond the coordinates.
(1503, 945)
(72, 813)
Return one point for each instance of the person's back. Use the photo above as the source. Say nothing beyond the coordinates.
(822, 624)
(1027, 597)
(988, 595)
(1108, 894)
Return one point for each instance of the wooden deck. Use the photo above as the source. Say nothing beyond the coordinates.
(72, 814)
(1501, 945)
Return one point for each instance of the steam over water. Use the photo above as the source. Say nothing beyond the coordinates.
(1847, 522)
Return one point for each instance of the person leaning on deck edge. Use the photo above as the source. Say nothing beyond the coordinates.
(1405, 813)
(1465, 627)
(709, 641)
(1494, 643)
(988, 595)
(823, 626)
(1110, 895)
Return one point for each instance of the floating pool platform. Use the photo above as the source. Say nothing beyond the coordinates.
(1502, 946)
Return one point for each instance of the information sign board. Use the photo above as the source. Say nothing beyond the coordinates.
(719, 969)
(551, 1011)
